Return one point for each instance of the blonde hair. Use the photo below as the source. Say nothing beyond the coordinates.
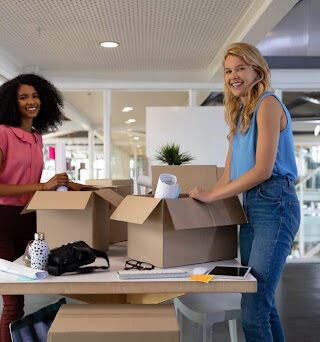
(252, 57)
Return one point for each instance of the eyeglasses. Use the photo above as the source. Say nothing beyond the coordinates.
(138, 265)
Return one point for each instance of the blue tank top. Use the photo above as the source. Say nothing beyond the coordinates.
(244, 148)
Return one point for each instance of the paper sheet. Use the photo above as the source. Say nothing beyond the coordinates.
(60, 158)
(14, 268)
(167, 186)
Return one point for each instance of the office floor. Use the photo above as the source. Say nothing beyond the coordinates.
(298, 301)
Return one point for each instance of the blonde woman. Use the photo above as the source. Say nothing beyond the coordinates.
(261, 165)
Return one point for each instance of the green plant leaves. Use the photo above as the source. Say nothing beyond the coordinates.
(170, 154)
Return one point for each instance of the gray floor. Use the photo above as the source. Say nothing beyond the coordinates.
(298, 301)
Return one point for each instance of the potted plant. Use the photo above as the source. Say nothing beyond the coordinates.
(170, 154)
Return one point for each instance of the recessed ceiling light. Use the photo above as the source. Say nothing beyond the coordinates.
(138, 146)
(127, 109)
(130, 121)
(109, 44)
(317, 130)
(136, 138)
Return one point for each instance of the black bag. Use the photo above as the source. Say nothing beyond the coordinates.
(69, 258)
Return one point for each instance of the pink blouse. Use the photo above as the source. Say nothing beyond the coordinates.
(22, 161)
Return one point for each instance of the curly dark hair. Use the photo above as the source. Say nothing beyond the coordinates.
(49, 115)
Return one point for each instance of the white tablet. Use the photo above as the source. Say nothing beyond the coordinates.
(230, 272)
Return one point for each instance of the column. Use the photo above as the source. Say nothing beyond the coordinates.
(135, 158)
(301, 199)
(193, 96)
(90, 152)
(107, 132)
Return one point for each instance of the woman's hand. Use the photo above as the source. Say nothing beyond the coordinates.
(61, 179)
(201, 195)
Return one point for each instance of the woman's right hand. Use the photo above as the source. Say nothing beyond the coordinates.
(60, 179)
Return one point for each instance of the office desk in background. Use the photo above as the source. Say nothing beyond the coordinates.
(106, 287)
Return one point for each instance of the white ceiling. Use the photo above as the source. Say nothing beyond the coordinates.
(61, 38)
(163, 41)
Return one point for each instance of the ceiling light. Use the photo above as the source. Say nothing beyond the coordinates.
(109, 44)
(127, 109)
(130, 121)
(136, 138)
(138, 146)
(317, 130)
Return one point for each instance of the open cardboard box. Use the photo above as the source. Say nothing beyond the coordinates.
(116, 323)
(182, 231)
(189, 176)
(118, 230)
(74, 215)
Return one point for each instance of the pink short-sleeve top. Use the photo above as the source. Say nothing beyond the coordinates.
(22, 161)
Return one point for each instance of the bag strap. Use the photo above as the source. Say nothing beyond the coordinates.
(100, 254)
(89, 269)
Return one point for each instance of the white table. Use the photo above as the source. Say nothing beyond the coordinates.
(98, 286)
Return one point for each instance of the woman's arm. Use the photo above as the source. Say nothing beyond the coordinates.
(268, 121)
(17, 190)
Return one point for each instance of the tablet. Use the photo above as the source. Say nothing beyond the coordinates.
(231, 272)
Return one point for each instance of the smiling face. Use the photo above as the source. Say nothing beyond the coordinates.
(238, 76)
(28, 101)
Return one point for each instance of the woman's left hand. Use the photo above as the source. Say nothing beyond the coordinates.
(201, 195)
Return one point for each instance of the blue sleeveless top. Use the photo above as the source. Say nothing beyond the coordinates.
(244, 148)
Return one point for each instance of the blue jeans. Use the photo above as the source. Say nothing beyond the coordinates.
(273, 213)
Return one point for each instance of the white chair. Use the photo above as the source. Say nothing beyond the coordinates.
(206, 309)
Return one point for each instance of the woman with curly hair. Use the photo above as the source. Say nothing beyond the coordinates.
(29, 106)
(261, 165)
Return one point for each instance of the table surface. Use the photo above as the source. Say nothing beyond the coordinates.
(107, 282)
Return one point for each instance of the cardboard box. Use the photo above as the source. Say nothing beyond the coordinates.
(74, 215)
(189, 176)
(182, 231)
(106, 182)
(118, 230)
(115, 323)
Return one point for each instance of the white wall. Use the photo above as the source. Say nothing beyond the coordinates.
(201, 131)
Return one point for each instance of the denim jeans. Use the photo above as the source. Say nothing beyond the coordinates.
(273, 213)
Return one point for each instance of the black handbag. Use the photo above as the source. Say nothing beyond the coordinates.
(70, 258)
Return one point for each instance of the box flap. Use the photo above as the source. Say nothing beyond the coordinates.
(99, 182)
(187, 213)
(110, 196)
(135, 209)
(104, 182)
(188, 176)
(25, 210)
(59, 200)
